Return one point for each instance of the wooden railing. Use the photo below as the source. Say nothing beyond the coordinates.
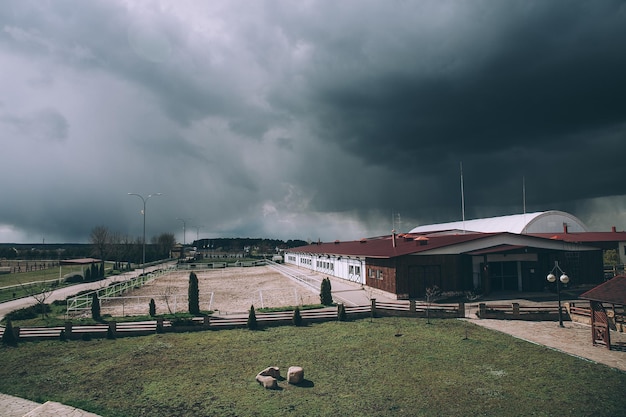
(159, 325)
(515, 311)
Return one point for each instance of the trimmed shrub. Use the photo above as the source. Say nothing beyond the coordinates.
(326, 297)
(341, 312)
(95, 307)
(252, 323)
(297, 317)
(152, 308)
(73, 279)
(8, 337)
(62, 336)
(26, 313)
(194, 294)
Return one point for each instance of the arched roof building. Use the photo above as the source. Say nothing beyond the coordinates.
(529, 223)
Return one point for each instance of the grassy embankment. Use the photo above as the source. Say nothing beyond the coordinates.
(380, 367)
(23, 284)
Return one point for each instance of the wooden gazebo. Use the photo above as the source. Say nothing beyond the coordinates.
(611, 292)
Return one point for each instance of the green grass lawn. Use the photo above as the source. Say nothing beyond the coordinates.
(17, 281)
(379, 367)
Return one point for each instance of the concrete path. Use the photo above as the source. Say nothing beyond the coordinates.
(18, 407)
(573, 339)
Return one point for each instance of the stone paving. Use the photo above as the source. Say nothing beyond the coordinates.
(18, 407)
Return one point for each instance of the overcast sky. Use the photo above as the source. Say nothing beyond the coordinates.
(306, 119)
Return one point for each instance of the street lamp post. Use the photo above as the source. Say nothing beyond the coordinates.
(143, 213)
(184, 223)
(564, 279)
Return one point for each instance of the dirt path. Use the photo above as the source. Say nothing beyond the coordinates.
(228, 290)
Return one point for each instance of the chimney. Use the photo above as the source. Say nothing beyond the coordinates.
(613, 229)
(393, 238)
(564, 227)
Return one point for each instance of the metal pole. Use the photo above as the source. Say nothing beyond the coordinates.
(558, 295)
(144, 201)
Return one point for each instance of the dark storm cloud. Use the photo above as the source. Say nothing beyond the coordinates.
(310, 119)
(543, 98)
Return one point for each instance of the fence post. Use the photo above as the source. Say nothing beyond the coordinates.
(482, 310)
(515, 309)
(206, 321)
(461, 309)
(412, 306)
(159, 328)
(112, 333)
(373, 308)
(68, 330)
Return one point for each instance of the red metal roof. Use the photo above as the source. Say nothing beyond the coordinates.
(496, 249)
(383, 247)
(585, 236)
(612, 291)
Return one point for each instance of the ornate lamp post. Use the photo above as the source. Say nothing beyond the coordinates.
(143, 213)
(564, 279)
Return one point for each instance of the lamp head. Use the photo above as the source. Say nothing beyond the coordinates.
(564, 279)
(551, 277)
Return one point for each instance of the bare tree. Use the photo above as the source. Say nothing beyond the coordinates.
(432, 293)
(39, 293)
(100, 239)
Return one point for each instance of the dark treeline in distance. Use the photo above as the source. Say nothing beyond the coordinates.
(132, 252)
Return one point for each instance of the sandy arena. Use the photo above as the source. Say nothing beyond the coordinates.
(226, 291)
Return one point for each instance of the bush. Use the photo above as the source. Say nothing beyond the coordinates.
(297, 317)
(27, 313)
(326, 297)
(252, 324)
(95, 307)
(73, 279)
(341, 312)
(193, 293)
(8, 337)
(152, 308)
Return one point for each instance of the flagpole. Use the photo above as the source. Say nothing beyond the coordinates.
(462, 196)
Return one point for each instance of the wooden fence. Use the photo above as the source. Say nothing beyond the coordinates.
(515, 311)
(123, 329)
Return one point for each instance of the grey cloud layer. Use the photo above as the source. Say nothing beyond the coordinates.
(309, 119)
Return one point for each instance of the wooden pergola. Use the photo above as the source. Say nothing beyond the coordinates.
(611, 292)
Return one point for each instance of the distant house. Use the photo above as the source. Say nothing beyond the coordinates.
(405, 265)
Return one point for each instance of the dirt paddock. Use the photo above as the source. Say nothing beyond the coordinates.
(228, 290)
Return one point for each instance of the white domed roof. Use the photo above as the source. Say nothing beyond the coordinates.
(540, 222)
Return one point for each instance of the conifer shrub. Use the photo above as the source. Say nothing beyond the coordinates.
(326, 297)
(252, 323)
(193, 294)
(152, 308)
(8, 337)
(341, 312)
(297, 317)
(62, 336)
(95, 307)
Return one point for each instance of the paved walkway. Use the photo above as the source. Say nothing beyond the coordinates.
(573, 339)
(18, 407)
